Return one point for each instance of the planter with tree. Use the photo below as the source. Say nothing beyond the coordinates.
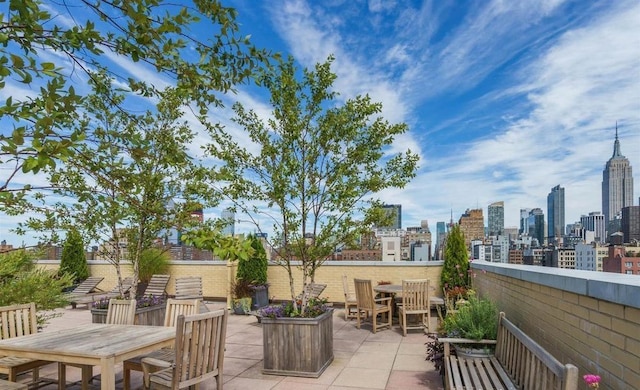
(254, 270)
(311, 180)
(242, 293)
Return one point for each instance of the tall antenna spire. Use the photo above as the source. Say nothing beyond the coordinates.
(616, 145)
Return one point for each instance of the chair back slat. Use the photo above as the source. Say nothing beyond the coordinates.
(415, 294)
(177, 307)
(121, 311)
(157, 285)
(88, 285)
(364, 294)
(18, 320)
(189, 287)
(200, 341)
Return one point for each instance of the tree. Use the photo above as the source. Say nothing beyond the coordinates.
(74, 260)
(455, 270)
(316, 168)
(125, 177)
(58, 48)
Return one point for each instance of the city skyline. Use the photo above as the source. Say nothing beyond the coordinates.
(503, 100)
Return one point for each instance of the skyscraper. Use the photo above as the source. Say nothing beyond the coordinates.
(594, 222)
(495, 215)
(617, 183)
(230, 227)
(524, 226)
(555, 212)
(536, 225)
(472, 226)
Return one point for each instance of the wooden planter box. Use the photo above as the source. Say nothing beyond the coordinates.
(151, 315)
(298, 346)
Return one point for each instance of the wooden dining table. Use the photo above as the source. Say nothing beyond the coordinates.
(95, 344)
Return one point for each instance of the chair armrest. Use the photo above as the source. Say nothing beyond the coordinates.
(151, 365)
(379, 300)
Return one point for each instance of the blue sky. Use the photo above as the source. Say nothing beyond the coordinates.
(504, 99)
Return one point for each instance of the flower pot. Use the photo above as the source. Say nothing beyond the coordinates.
(300, 347)
(242, 305)
(150, 315)
(260, 297)
(471, 351)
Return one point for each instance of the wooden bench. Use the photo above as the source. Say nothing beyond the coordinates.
(518, 363)
(6, 385)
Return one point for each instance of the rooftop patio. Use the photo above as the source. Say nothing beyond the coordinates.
(363, 360)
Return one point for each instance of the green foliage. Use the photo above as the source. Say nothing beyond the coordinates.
(40, 42)
(152, 261)
(15, 263)
(21, 282)
(455, 270)
(74, 260)
(319, 163)
(477, 319)
(254, 268)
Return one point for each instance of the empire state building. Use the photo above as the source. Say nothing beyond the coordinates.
(617, 183)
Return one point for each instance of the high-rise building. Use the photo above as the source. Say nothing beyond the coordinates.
(631, 224)
(617, 183)
(555, 214)
(441, 233)
(396, 211)
(495, 218)
(230, 226)
(472, 225)
(524, 217)
(535, 223)
(594, 222)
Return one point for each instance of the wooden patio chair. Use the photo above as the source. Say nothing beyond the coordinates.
(190, 287)
(86, 287)
(119, 312)
(415, 301)
(198, 354)
(175, 308)
(17, 321)
(157, 286)
(88, 299)
(368, 304)
(350, 302)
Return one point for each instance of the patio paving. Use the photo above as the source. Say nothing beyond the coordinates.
(362, 360)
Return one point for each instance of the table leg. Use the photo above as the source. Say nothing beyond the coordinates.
(107, 374)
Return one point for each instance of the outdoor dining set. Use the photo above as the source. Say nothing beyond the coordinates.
(190, 329)
(411, 298)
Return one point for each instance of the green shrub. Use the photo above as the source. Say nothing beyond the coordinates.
(254, 268)
(153, 261)
(456, 261)
(74, 259)
(476, 320)
(21, 282)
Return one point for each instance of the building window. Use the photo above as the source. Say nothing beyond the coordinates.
(629, 272)
(628, 264)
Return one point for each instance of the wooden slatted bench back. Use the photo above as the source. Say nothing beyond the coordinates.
(528, 364)
(519, 363)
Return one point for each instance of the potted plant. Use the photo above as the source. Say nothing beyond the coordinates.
(242, 292)
(474, 319)
(312, 170)
(254, 270)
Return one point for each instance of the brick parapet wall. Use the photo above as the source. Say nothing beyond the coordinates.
(215, 275)
(589, 319)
